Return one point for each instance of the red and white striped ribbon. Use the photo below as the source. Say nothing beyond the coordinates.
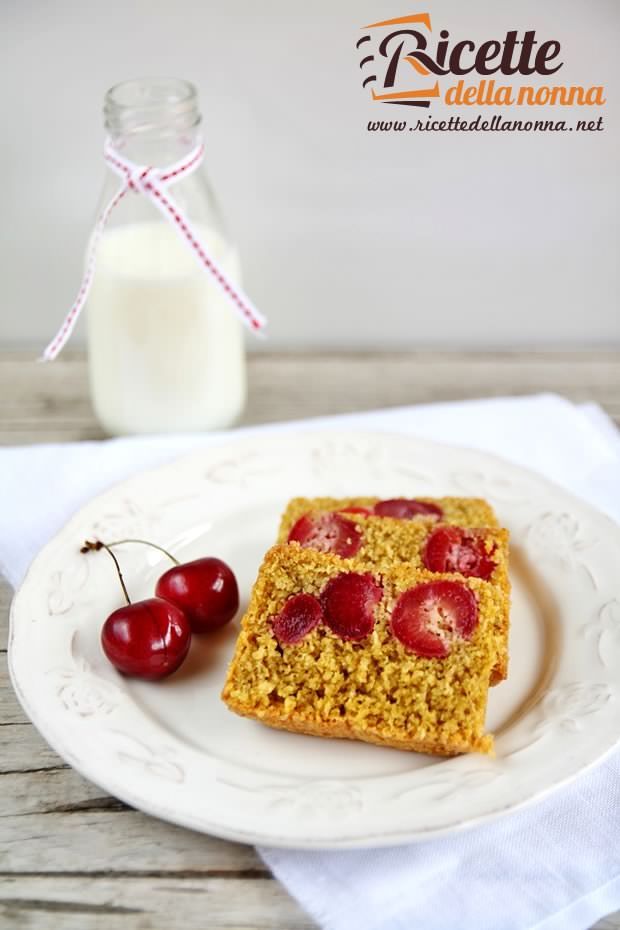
(153, 183)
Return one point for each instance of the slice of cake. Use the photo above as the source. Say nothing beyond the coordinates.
(450, 540)
(460, 511)
(399, 657)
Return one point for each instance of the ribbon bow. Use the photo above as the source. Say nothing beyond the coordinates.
(153, 183)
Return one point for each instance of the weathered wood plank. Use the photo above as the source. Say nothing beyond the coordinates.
(50, 402)
(10, 711)
(53, 790)
(6, 595)
(87, 903)
(175, 903)
(23, 749)
(116, 842)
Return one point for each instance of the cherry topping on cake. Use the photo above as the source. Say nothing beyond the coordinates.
(431, 617)
(299, 616)
(363, 510)
(349, 602)
(453, 549)
(327, 532)
(401, 508)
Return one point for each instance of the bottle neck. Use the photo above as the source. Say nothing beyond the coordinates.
(153, 121)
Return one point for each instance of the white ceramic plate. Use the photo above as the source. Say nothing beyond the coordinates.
(172, 749)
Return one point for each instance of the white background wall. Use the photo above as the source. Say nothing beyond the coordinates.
(348, 238)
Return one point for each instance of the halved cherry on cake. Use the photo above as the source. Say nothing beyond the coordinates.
(429, 618)
(401, 508)
(365, 511)
(349, 601)
(326, 531)
(299, 616)
(453, 549)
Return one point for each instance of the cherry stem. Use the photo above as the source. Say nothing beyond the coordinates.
(143, 542)
(96, 547)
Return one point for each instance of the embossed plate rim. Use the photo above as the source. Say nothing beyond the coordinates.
(356, 812)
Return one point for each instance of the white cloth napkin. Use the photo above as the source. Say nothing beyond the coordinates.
(554, 866)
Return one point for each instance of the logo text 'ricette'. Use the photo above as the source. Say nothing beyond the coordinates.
(401, 63)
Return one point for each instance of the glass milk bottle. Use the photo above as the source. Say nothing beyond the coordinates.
(166, 349)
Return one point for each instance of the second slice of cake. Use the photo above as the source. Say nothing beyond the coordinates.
(456, 535)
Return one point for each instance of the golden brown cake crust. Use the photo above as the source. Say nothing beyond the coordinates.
(374, 690)
(343, 730)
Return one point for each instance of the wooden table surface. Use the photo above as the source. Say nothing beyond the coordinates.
(72, 858)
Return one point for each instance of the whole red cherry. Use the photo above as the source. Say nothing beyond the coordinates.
(147, 639)
(205, 590)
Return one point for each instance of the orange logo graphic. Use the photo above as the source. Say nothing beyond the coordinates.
(390, 47)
